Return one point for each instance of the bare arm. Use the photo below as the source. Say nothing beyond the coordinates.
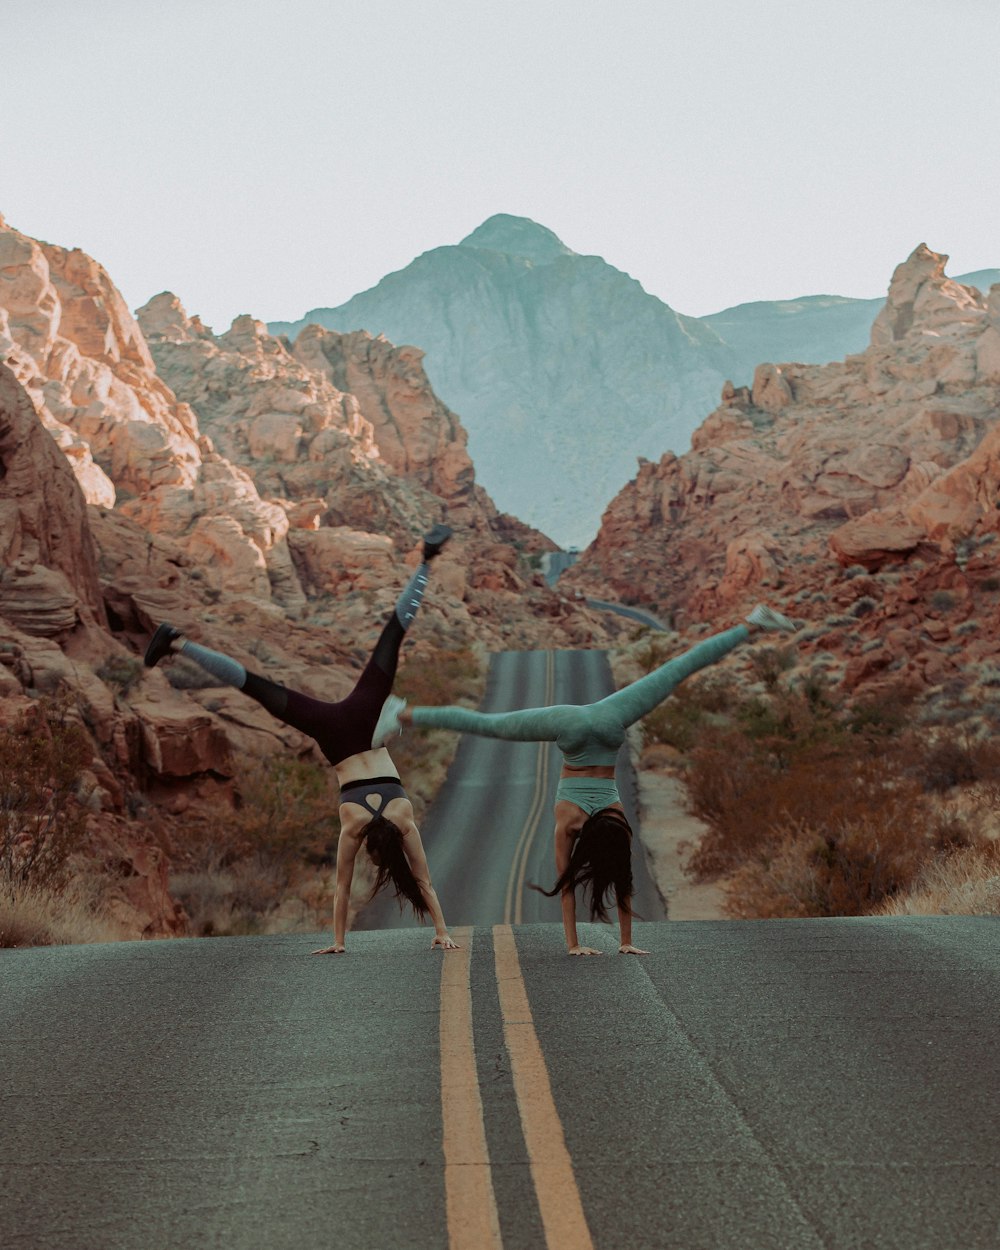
(347, 853)
(414, 851)
(625, 946)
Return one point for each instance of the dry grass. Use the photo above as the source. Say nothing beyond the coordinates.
(822, 807)
(966, 883)
(36, 916)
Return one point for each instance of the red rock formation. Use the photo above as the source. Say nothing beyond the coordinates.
(48, 564)
(886, 462)
(283, 538)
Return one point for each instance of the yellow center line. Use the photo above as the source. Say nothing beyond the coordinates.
(469, 1198)
(530, 824)
(540, 805)
(551, 1167)
(514, 898)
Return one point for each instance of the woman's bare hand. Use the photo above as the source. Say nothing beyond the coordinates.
(445, 941)
(582, 950)
(336, 949)
(628, 949)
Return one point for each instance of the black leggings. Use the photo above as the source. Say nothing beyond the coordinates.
(346, 727)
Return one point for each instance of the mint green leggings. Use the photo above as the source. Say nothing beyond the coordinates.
(592, 733)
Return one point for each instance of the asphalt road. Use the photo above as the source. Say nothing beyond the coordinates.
(489, 832)
(770, 1084)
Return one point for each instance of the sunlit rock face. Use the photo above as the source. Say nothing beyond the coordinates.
(48, 562)
(151, 470)
(873, 478)
(565, 371)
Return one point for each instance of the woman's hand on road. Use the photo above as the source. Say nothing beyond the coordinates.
(628, 949)
(336, 949)
(445, 941)
(582, 950)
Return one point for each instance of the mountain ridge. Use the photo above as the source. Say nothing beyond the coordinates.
(566, 371)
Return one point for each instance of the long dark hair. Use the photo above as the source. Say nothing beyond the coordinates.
(601, 861)
(384, 841)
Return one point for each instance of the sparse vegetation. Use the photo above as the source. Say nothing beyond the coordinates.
(41, 822)
(46, 894)
(120, 672)
(816, 805)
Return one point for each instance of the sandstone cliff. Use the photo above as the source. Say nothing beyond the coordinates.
(861, 496)
(269, 501)
(565, 370)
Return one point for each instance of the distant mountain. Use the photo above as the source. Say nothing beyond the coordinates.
(815, 329)
(565, 371)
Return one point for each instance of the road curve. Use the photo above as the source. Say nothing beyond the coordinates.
(489, 832)
(762, 1085)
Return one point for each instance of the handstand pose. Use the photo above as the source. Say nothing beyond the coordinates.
(592, 837)
(374, 809)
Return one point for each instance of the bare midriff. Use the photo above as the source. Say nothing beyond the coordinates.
(589, 770)
(365, 765)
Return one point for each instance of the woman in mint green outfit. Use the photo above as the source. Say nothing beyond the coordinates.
(592, 836)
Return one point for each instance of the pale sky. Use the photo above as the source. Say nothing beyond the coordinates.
(271, 157)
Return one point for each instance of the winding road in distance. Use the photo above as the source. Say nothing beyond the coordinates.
(751, 1085)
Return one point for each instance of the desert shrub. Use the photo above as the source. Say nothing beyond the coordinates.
(120, 672)
(863, 606)
(230, 900)
(33, 915)
(964, 883)
(845, 867)
(942, 600)
(287, 813)
(41, 822)
(953, 760)
(768, 663)
(237, 866)
(679, 720)
(184, 674)
(656, 649)
(883, 714)
(750, 795)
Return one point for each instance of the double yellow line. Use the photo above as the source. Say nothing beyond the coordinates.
(473, 1223)
(513, 907)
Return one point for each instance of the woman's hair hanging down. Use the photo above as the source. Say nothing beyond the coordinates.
(384, 841)
(601, 862)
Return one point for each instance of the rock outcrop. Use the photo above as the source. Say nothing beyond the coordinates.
(150, 469)
(565, 370)
(820, 487)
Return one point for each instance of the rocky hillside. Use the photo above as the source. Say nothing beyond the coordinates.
(861, 496)
(267, 501)
(564, 369)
